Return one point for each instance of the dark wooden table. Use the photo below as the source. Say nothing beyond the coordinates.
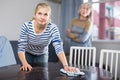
(51, 72)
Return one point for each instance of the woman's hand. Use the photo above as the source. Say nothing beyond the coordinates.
(26, 67)
(68, 30)
(71, 69)
(70, 34)
(76, 40)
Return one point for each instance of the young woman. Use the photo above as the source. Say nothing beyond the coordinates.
(35, 37)
(80, 29)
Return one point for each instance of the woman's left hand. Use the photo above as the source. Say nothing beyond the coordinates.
(71, 69)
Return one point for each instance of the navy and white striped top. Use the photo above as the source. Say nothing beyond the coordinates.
(37, 44)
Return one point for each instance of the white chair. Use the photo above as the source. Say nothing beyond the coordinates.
(109, 59)
(82, 56)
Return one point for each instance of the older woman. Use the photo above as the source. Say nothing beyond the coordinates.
(80, 29)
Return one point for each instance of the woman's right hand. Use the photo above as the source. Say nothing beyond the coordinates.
(68, 30)
(26, 67)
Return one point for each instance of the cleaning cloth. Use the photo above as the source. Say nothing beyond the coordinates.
(72, 73)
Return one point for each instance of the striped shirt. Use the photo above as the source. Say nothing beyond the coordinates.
(37, 44)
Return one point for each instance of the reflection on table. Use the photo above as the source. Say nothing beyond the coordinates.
(51, 71)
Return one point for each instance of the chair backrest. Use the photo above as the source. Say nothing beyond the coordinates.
(6, 53)
(82, 56)
(109, 59)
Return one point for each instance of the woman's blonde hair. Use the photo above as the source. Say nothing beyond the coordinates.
(42, 5)
(89, 16)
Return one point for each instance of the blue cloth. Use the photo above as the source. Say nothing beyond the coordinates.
(6, 53)
(72, 73)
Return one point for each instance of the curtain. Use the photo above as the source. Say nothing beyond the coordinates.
(69, 10)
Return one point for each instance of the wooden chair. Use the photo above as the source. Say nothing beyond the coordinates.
(82, 56)
(109, 58)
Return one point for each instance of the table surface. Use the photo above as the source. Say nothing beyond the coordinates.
(51, 72)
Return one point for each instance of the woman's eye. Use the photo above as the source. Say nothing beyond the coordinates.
(39, 13)
(46, 14)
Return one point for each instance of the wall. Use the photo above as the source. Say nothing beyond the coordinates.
(13, 13)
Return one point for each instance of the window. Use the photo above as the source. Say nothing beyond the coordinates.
(106, 15)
